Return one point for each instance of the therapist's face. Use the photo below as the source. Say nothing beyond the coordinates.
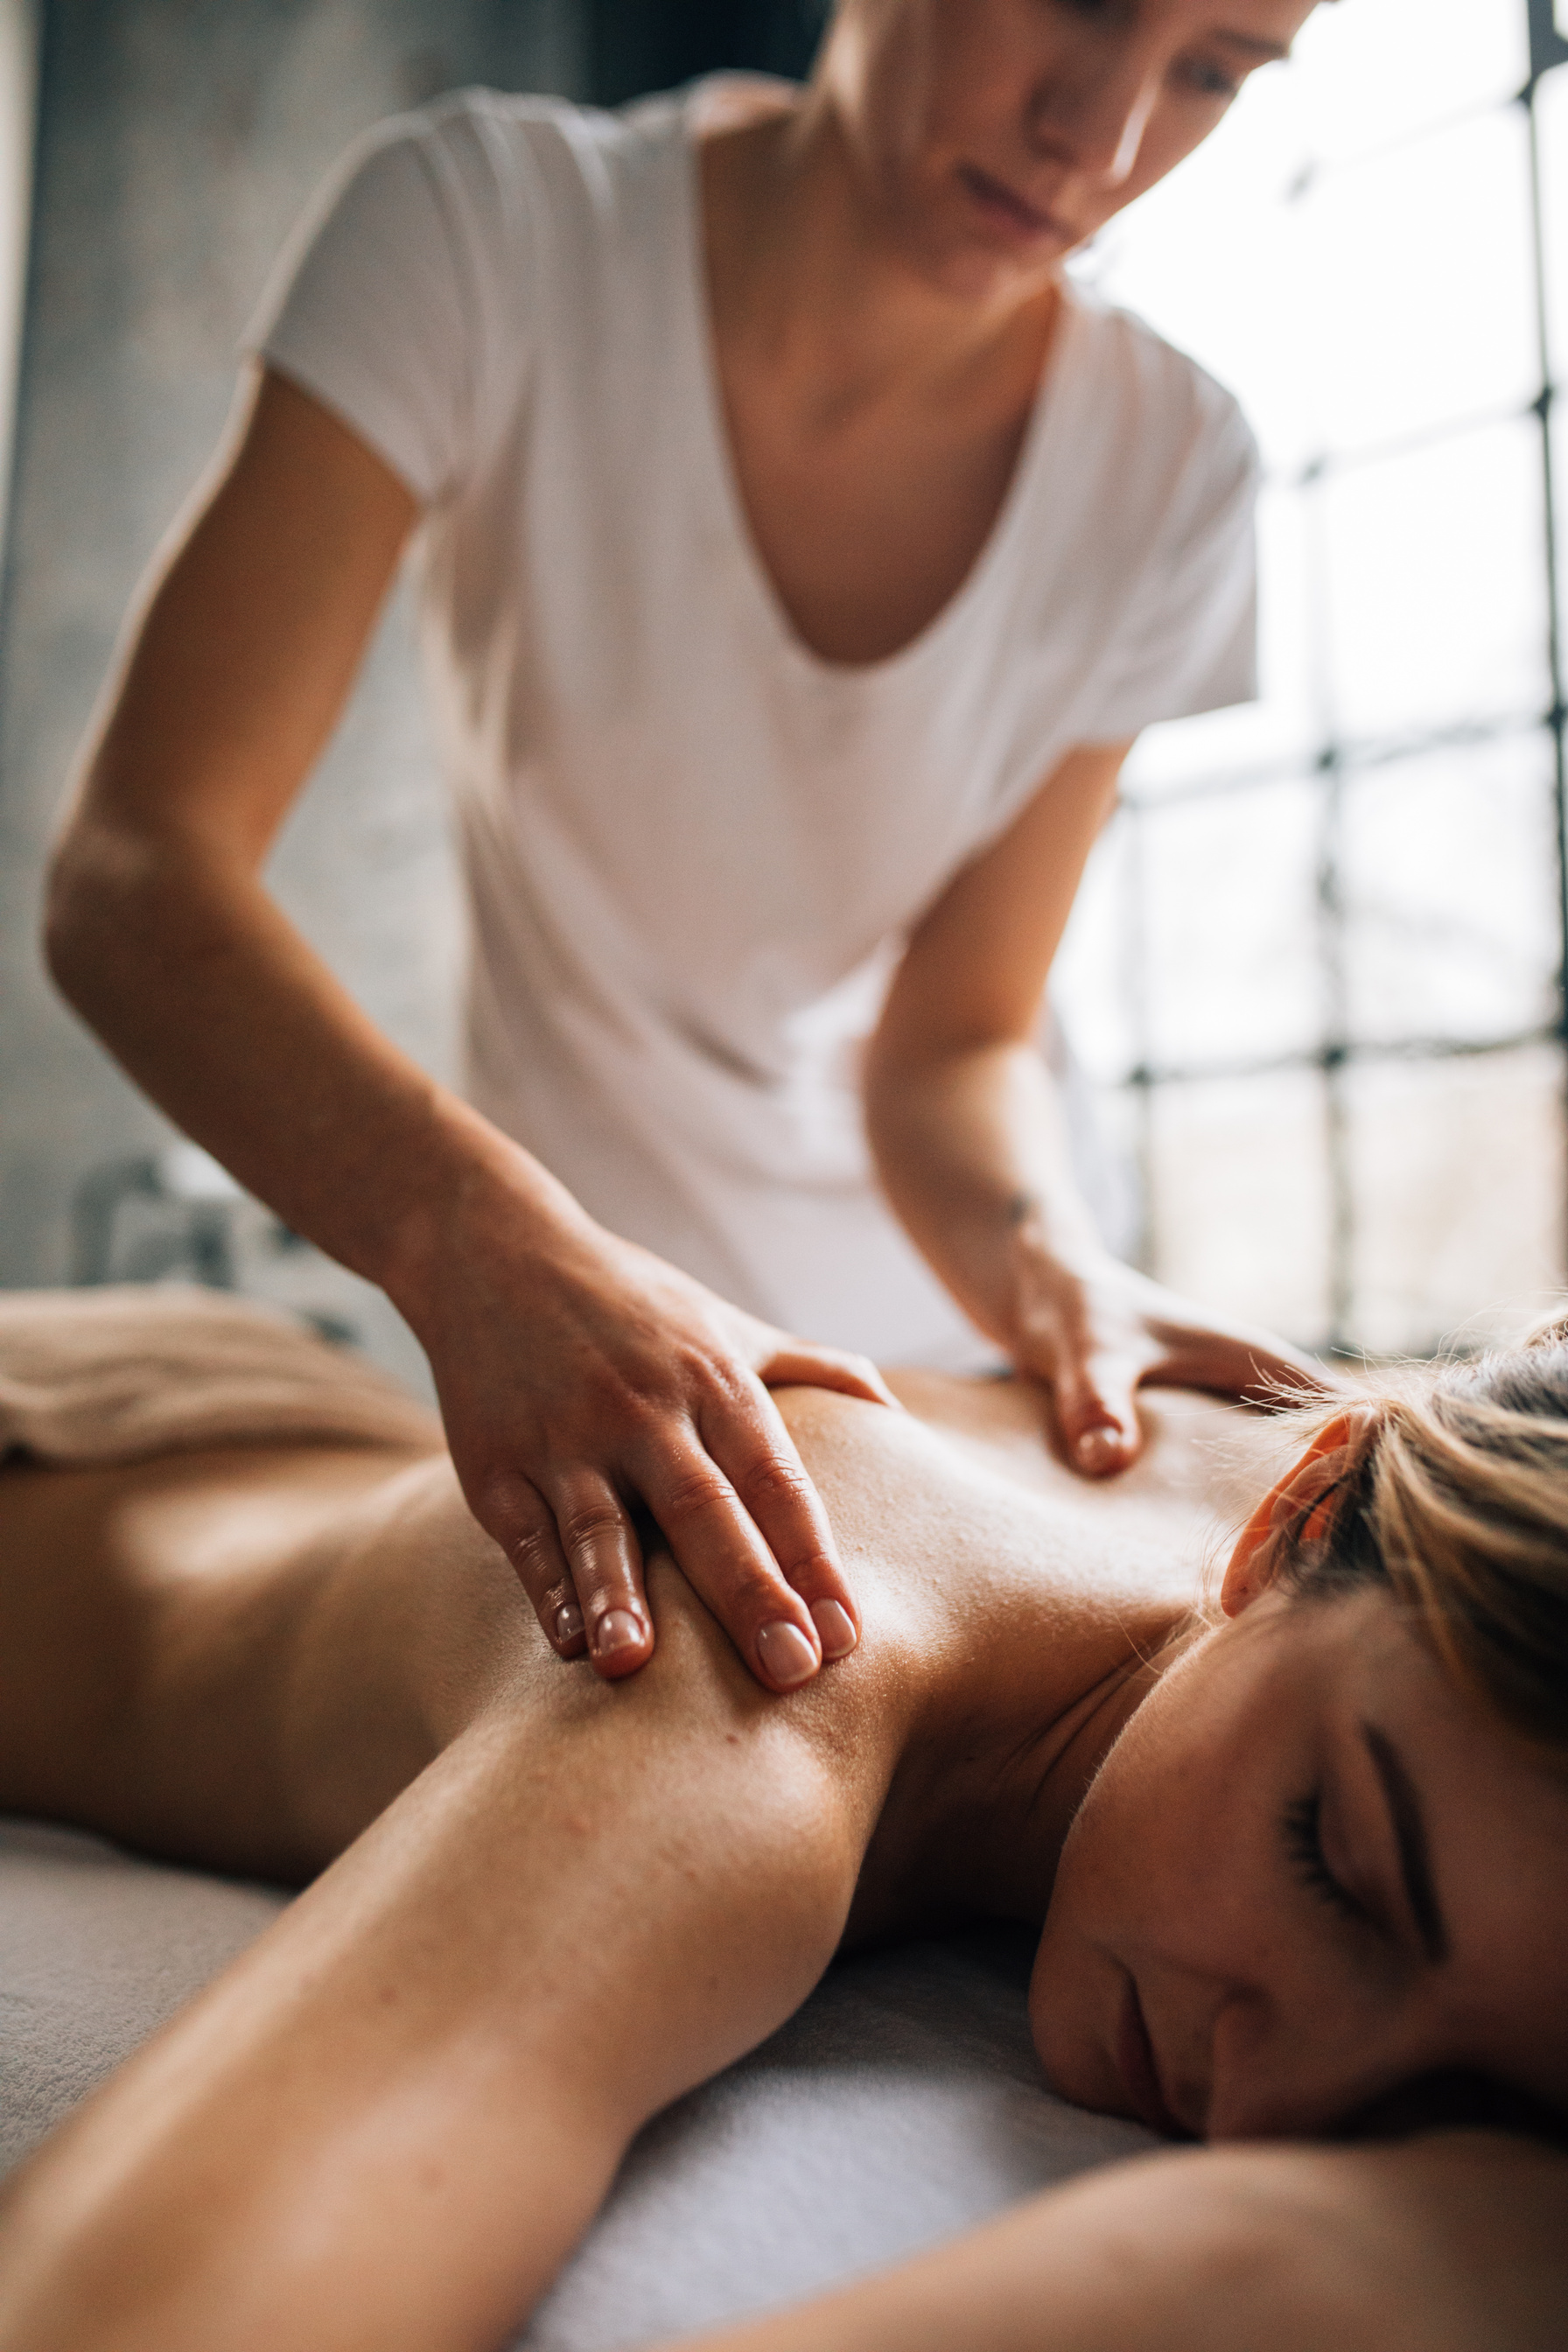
(990, 136)
(1311, 1873)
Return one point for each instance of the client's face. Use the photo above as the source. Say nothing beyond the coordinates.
(1310, 1871)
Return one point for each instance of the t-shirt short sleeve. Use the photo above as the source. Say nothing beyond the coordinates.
(1189, 639)
(379, 305)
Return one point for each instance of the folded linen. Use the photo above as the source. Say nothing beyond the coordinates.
(121, 1373)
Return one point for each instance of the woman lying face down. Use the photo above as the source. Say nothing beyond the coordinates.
(1286, 1867)
(1329, 1856)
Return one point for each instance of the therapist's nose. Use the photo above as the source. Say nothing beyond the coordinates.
(1089, 109)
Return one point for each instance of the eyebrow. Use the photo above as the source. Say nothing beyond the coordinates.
(1410, 1838)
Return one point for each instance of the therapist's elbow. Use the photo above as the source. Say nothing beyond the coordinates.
(86, 875)
(103, 886)
(890, 1087)
(906, 1073)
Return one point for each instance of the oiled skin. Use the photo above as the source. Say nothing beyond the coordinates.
(240, 1657)
(545, 1905)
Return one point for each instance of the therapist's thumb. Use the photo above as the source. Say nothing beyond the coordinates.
(794, 1362)
(1096, 1415)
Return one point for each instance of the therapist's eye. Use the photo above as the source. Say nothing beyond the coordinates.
(1301, 1826)
(1207, 79)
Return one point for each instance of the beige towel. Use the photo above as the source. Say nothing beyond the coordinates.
(116, 1374)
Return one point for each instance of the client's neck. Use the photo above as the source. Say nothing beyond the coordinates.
(1008, 1828)
(988, 1788)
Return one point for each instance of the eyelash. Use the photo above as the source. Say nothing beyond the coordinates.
(1304, 1845)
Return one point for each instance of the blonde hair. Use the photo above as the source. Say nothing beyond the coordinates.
(1454, 1496)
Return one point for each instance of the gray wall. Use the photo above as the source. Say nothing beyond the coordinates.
(177, 141)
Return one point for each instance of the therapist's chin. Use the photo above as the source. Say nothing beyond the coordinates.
(972, 250)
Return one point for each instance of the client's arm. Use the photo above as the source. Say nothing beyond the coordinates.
(1456, 2243)
(386, 2123)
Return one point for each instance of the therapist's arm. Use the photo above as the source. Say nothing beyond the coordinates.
(579, 1377)
(971, 1145)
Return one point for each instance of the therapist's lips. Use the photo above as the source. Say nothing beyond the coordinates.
(1012, 213)
(1135, 2065)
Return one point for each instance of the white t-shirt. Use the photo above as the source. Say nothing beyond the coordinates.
(691, 845)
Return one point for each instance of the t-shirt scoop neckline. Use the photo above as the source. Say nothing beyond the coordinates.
(699, 351)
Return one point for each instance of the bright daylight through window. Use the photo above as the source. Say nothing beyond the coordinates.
(1316, 977)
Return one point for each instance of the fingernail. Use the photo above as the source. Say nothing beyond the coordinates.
(835, 1628)
(1098, 1447)
(787, 1655)
(618, 1628)
(568, 1622)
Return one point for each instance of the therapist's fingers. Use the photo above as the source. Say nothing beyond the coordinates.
(1256, 1367)
(1091, 1390)
(746, 1435)
(748, 1533)
(1090, 1350)
(578, 1560)
(513, 1512)
(596, 1539)
(799, 1363)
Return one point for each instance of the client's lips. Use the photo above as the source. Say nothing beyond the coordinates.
(1135, 2063)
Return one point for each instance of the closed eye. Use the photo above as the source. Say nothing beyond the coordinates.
(1300, 1827)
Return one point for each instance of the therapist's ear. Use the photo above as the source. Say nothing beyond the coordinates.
(1300, 1501)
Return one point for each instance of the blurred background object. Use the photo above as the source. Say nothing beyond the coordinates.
(633, 46)
(1316, 981)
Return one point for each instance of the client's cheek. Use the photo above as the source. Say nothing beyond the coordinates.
(1072, 2011)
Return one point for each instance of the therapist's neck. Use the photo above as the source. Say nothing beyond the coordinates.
(804, 266)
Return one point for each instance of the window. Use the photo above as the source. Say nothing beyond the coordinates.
(1316, 975)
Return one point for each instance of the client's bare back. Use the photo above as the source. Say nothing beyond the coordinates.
(239, 1655)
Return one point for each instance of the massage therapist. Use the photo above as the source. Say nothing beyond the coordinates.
(800, 555)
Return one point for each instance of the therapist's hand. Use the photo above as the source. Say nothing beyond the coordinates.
(585, 1382)
(1094, 1331)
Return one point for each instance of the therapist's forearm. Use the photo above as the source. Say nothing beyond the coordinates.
(174, 953)
(971, 1145)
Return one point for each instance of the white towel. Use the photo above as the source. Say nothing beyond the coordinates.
(117, 1374)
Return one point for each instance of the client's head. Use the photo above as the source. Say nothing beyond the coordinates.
(1328, 1858)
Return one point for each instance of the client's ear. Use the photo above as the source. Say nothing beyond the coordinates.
(1255, 1562)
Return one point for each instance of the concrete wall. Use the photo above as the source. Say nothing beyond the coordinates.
(176, 140)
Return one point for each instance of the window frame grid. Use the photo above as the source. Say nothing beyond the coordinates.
(1336, 762)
